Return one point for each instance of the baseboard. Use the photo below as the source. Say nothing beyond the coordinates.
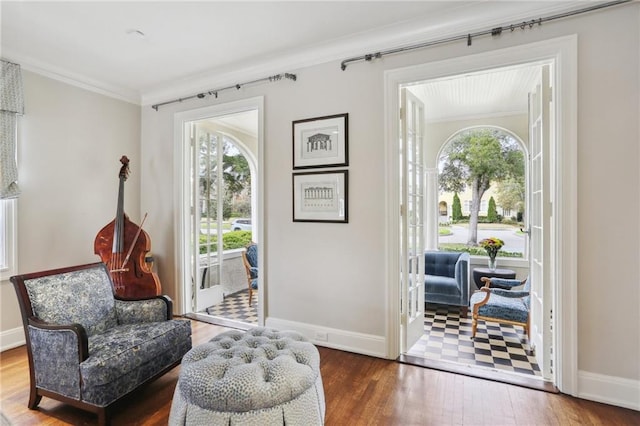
(365, 344)
(10, 339)
(609, 390)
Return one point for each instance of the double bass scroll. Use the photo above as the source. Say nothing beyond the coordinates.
(123, 246)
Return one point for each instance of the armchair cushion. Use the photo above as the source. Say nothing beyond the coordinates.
(127, 355)
(252, 255)
(508, 308)
(80, 297)
(442, 285)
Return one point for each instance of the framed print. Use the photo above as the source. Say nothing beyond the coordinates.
(321, 142)
(320, 197)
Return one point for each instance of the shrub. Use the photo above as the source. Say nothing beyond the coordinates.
(475, 251)
(492, 212)
(230, 240)
(456, 208)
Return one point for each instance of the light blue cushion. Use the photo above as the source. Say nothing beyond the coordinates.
(252, 255)
(441, 285)
(500, 307)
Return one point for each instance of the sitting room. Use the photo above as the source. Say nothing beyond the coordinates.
(125, 145)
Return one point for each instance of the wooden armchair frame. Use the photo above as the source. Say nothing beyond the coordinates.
(476, 316)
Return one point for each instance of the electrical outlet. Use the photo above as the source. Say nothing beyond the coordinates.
(321, 336)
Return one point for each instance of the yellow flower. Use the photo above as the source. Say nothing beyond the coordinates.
(491, 245)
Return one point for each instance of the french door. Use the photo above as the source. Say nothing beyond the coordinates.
(412, 218)
(207, 195)
(212, 178)
(540, 198)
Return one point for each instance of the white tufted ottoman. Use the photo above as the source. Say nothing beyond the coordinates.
(258, 377)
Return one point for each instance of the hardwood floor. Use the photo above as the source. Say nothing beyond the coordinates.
(359, 390)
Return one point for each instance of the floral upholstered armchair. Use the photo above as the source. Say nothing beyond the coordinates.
(88, 348)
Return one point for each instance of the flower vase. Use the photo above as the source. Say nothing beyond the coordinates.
(493, 263)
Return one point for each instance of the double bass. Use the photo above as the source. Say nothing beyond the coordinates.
(123, 246)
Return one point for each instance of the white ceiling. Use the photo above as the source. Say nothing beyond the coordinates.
(188, 47)
(503, 91)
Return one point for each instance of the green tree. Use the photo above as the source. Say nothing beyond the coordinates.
(236, 175)
(492, 212)
(476, 158)
(456, 208)
(510, 194)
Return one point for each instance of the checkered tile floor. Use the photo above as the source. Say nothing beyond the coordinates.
(236, 307)
(447, 337)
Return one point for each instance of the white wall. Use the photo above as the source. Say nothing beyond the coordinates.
(332, 275)
(70, 144)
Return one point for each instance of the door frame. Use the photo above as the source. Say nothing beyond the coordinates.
(182, 191)
(562, 52)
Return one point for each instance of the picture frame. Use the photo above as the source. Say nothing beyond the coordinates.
(321, 142)
(321, 196)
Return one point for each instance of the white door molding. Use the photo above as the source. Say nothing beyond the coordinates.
(563, 53)
(181, 194)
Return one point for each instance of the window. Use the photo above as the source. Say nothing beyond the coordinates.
(8, 241)
(480, 164)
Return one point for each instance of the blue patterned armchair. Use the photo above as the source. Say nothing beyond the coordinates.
(503, 305)
(86, 347)
(250, 258)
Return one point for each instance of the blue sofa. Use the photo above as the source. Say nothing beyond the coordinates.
(446, 279)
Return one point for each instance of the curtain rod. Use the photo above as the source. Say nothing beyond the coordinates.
(493, 32)
(214, 92)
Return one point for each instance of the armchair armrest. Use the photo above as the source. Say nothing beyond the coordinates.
(152, 309)
(484, 301)
(509, 293)
(502, 282)
(59, 373)
(462, 275)
(53, 330)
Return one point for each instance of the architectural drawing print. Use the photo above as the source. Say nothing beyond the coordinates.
(320, 196)
(321, 142)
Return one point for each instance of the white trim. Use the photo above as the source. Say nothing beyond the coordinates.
(475, 117)
(392, 205)
(181, 191)
(12, 338)
(361, 343)
(473, 17)
(9, 217)
(563, 51)
(72, 78)
(478, 16)
(609, 390)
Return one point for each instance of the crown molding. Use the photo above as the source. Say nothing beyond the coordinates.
(72, 78)
(463, 19)
(466, 18)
